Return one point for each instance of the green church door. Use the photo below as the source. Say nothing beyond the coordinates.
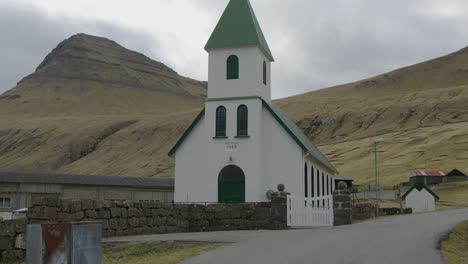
(231, 185)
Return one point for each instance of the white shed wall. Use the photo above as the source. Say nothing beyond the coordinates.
(420, 201)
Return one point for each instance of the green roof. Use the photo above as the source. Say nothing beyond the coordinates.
(296, 133)
(419, 186)
(291, 128)
(238, 27)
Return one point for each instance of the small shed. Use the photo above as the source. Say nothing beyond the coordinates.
(346, 179)
(420, 198)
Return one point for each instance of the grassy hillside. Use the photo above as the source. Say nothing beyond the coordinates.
(421, 111)
(94, 107)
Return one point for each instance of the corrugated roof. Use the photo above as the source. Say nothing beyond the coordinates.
(33, 177)
(429, 173)
(238, 27)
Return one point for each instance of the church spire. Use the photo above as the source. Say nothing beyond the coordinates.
(238, 27)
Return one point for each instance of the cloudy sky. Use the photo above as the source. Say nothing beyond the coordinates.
(316, 43)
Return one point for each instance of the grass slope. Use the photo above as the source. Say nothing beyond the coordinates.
(455, 248)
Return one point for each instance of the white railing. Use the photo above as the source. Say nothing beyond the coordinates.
(309, 212)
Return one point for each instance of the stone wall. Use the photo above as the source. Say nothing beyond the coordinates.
(342, 207)
(363, 211)
(12, 239)
(122, 218)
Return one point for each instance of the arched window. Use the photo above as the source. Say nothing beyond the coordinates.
(312, 181)
(318, 183)
(242, 120)
(306, 193)
(221, 121)
(264, 73)
(232, 67)
(323, 184)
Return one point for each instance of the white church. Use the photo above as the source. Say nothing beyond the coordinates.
(241, 145)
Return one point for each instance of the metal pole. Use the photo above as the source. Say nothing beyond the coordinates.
(377, 195)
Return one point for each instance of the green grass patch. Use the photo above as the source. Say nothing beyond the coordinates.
(455, 248)
(155, 253)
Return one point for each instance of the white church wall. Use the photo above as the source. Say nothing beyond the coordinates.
(242, 152)
(282, 158)
(189, 161)
(420, 201)
(250, 82)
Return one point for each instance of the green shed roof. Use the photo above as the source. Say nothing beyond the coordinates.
(238, 27)
(419, 186)
(283, 119)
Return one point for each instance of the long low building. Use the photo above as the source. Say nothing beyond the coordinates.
(17, 189)
(430, 177)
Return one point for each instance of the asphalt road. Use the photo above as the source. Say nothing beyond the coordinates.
(400, 239)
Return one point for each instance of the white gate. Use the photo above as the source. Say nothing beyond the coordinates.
(308, 212)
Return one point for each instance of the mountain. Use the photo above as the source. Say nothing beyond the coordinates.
(91, 75)
(94, 107)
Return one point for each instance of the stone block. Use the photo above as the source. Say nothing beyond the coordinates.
(91, 214)
(341, 198)
(158, 229)
(65, 205)
(52, 201)
(134, 212)
(123, 223)
(20, 241)
(78, 216)
(75, 206)
(87, 204)
(171, 221)
(235, 214)
(115, 212)
(6, 243)
(124, 212)
(104, 214)
(20, 225)
(133, 221)
(222, 214)
(149, 221)
(142, 221)
(42, 212)
(37, 201)
(11, 255)
(127, 204)
(114, 223)
(64, 217)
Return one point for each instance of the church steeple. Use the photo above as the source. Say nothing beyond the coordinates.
(238, 27)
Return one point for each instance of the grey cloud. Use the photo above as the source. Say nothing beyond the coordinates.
(316, 43)
(27, 35)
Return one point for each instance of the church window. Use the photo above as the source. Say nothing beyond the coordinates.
(232, 67)
(242, 120)
(306, 193)
(221, 121)
(264, 73)
(312, 181)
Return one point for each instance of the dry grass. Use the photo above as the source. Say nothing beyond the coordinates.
(452, 195)
(157, 253)
(455, 248)
(154, 253)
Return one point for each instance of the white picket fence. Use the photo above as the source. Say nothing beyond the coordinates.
(310, 212)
